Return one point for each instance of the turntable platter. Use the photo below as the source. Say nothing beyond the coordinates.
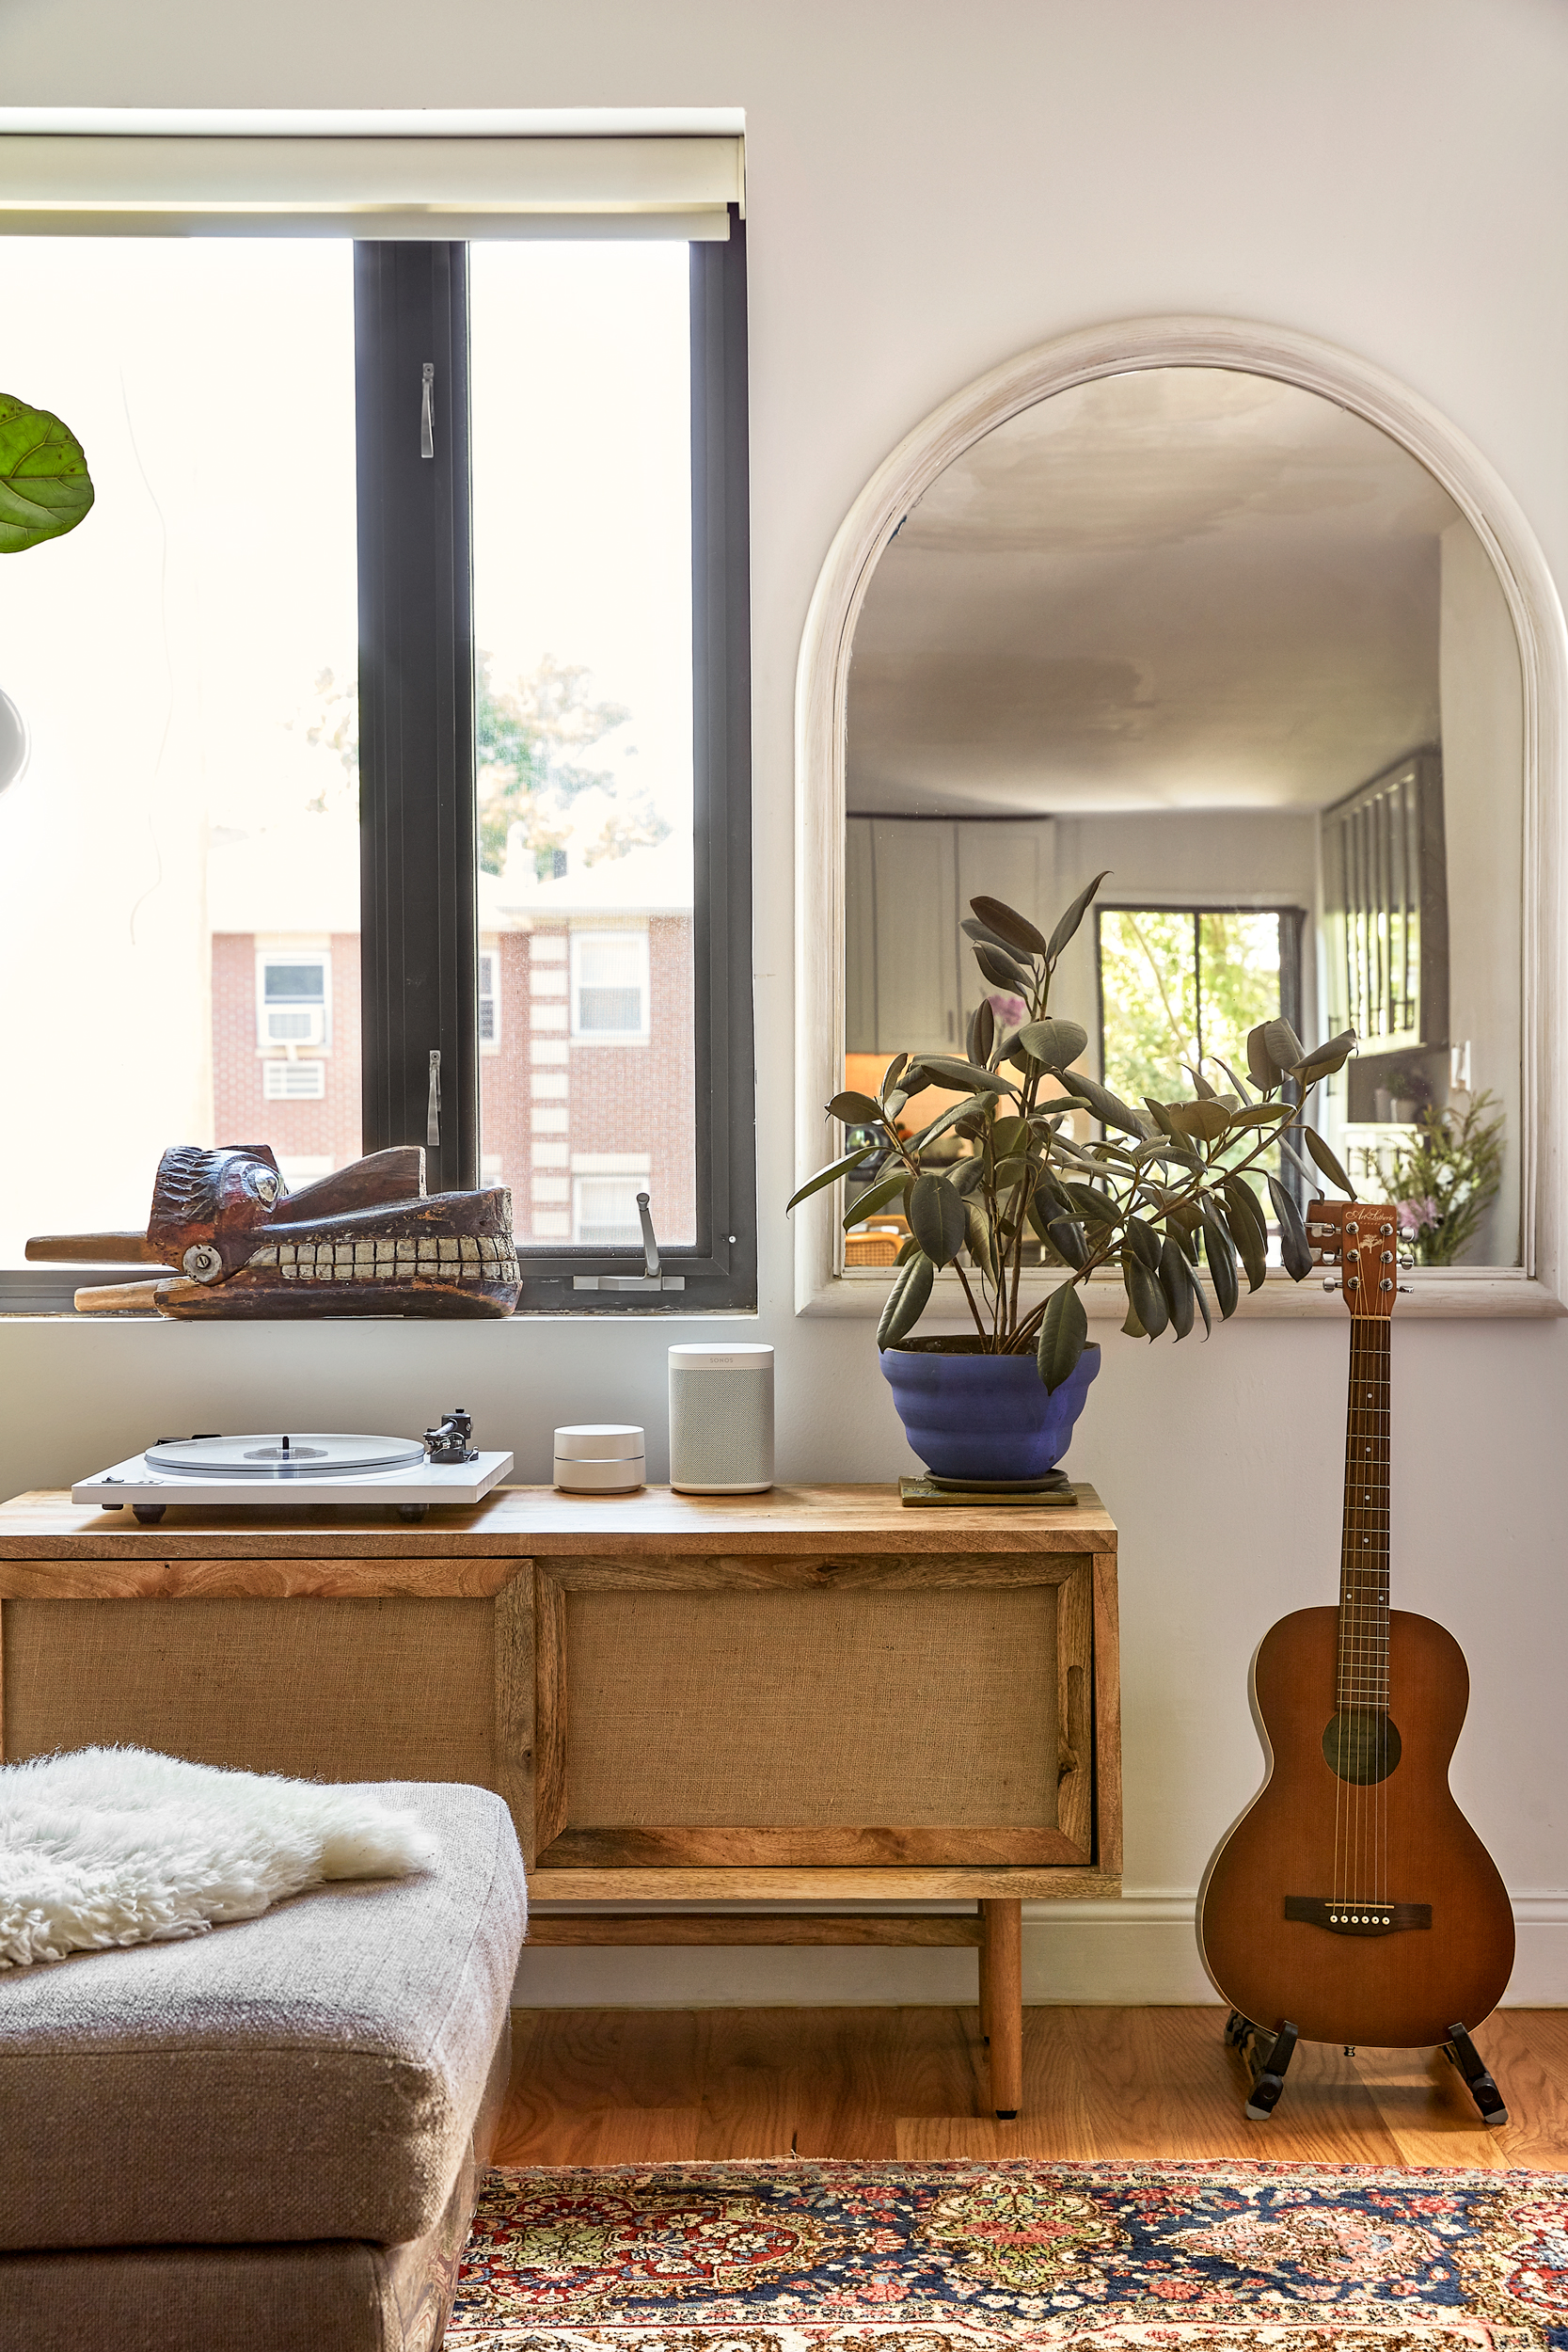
(286, 1455)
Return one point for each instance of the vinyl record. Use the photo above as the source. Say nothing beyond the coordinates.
(287, 1455)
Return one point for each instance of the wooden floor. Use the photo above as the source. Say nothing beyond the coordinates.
(624, 2086)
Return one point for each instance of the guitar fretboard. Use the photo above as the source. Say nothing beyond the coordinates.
(1363, 1672)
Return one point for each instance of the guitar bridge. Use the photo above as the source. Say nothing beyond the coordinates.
(1357, 1919)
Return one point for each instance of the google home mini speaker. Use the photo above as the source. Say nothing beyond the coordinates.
(720, 1419)
(600, 1457)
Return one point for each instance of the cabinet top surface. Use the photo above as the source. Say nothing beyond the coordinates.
(520, 1521)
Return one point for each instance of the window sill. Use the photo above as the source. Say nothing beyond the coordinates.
(1436, 1294)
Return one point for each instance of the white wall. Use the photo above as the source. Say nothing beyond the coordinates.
(931, 189)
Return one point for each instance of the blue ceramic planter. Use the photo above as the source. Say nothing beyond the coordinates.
(985, 1417)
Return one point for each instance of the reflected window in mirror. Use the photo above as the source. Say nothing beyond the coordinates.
(1217, 633)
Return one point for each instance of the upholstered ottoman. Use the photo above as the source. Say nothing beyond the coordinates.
(269, 2137)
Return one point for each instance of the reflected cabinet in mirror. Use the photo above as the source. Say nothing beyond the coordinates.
(1254, 642)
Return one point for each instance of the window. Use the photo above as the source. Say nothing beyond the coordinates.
(292, 1000)
(293, 1081)
(490, 1000)
(609, 986)
(1181, 986)
(530, 724)
(604, 1210)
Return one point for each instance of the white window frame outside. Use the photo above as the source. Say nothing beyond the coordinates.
(581, 1185)
(639, 1036)
(277, 1071)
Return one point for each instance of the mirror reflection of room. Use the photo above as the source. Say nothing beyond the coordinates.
(1217, 634)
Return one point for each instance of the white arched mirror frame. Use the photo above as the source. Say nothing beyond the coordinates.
(1533, 1288)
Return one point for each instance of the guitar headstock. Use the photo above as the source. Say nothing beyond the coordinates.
(1362, 1237)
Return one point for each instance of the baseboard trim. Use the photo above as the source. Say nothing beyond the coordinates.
(1138, 1952)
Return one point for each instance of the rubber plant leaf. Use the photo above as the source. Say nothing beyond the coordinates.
(1145, 1296)
(1053, 1042)
(906, 1301)
(1004, 923)
(948, 1070)
(856, 1110)
(1327, 1161)
(1295, 1251)
(45, 488)
(1285, 1048)
(1180, 1285)
(937, 1219)
(1064, 1333)
(1071, 919)
(1220, 1250)
(828, 1175)
(1001, 971)
(887, 1189)
(1331, 1055)
(1247, 1228)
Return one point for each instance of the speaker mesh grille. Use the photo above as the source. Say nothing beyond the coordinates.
(721, 1428)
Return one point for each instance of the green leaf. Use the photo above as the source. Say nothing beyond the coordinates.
(1107, 1107)
(968, 1172)
(907, 1301)
(1144, 1294)
(913, 1079)
(889, 1076)
(1285, 1048)
(1071, 919)
(887, 1189)
(45, 488)
(949, 1118)
(948, 1070)
(1201, 1087)
(1265, 1074)
(1009, 1135)
(1179, 1284)
(1232, 1075)
(1161, 1117)
(1144, 1241)
(980, 1035)
(937, 1219)
(1248, 1229)
(828, 1175)
(1295, 1251)
(979, 1234)
(1326, 1161)
(1220, 1251)
(1063, 1332)
(1066, 1237)
(1096, 1208)
(856, 1110)
(907, 1248)
(1004, 923)
(1056, 1043)
(1262, 1115)
(1010, 1173)
(1207, 1121)
(1325, 1059)
(1200, 1297)
(999, 968)
(1289, 1151)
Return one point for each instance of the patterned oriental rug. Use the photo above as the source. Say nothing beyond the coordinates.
(795, 2256)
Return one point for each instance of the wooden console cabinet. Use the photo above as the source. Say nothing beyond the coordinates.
(808, 1697)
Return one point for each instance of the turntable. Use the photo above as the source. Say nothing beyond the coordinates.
(306, 1469)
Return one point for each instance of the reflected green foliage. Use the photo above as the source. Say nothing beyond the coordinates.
(1445, 1180)
(1178, 989)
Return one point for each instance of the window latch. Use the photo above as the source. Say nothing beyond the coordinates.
(652, 1279)
(433, 1108)
(427, 410)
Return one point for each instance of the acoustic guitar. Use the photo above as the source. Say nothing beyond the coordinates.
(1352, 1901)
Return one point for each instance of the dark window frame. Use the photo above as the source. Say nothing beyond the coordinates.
(420, 983)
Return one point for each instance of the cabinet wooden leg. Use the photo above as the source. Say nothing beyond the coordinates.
(983, 1956)
(1002, 2003)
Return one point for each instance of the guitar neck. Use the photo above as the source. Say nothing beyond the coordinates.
(1363, 1666)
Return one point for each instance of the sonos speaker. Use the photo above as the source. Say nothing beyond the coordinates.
(720, 1419)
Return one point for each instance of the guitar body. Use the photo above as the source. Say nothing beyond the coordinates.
(1312, 1833)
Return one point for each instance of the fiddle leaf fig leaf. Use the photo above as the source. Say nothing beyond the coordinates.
(1054, 1043)
(878, 1197)
(1327, 1161)
(1064, 1334)
(1004, 923)
(907, 1301)
(45, 488)
(937, 1219)
(828, 1175)
(1071, 919)
(1295, 1251)
(856, 1110)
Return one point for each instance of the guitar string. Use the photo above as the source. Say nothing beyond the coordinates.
(1360, 1879)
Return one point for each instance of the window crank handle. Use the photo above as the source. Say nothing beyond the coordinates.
(433, 1108)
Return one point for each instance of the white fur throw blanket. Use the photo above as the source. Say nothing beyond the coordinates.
(119, 1846)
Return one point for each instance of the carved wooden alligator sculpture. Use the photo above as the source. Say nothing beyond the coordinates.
(368, 1240)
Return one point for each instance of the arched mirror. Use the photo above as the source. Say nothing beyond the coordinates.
(1224, 633)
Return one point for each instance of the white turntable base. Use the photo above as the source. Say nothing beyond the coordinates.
(418, 1486)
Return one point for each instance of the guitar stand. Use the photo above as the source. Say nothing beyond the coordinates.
(1267, 2054)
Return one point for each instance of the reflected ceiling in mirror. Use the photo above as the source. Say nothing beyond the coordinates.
(1177, 588)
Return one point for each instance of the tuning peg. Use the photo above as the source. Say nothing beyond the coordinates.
(1331, 1286)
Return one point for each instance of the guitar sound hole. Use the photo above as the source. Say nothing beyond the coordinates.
(1361, 1748)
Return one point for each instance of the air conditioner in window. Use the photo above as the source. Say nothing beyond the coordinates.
(295, 1025)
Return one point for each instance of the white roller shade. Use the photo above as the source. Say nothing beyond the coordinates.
(375, 185)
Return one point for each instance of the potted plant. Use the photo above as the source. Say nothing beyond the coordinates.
(1165, 1190)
